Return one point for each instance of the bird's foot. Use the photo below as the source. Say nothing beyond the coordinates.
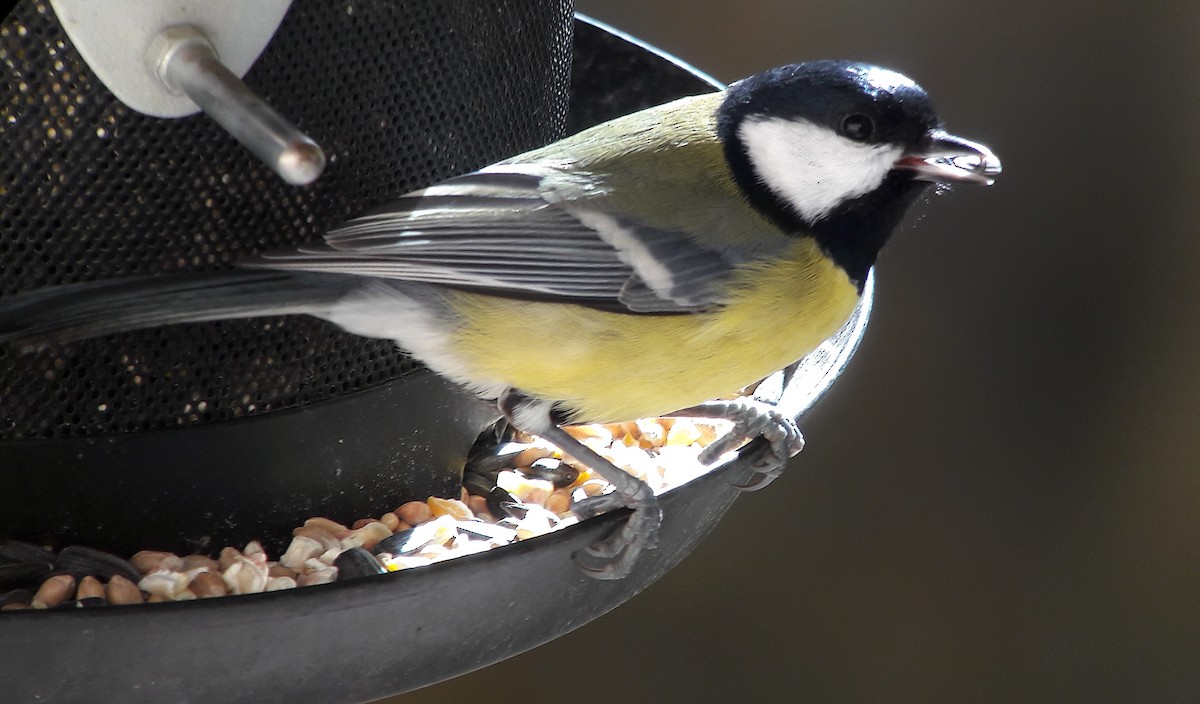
(613, 556)
(750, 419)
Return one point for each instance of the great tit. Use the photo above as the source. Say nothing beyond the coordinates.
(674, 255)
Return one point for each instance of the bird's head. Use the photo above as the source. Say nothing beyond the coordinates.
(840, 149)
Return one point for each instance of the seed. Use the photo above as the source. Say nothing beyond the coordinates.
(684, 432)
(322, 576)
(608, 451)
(404, 562)
(559, 502)
(275, 584)
(165, 584)
(53, 591)
(208, 584)
(479, 507)
(439, 531)
(23, 564)
(322, 537)
(367, 536)
(357, 562)
(391, 520)
(557, 472)
(614, 429)
(433, 551)
(536, 522)
(709, 431)
(16, 599)
(651, 434)
(462, 548)
(82, 560)
(531, 454)
(525, 489)
(122, 591)
(89, 587)
(330, 555)
(489, 532)
(228, 556)
(499, 501)
(585, 475)
(21, 573)
(591, 435)
(628, 427)
(148, 561)
(255, 553)
(18, 551)
(245, 576)
(191, 562)
(299, 550)
(593, 487)
(449, 507)
(395, 543)
(332, 527)
(359, 523)
(275, 569)
(414, 512)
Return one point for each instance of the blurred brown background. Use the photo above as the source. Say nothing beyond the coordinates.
(1000, 502)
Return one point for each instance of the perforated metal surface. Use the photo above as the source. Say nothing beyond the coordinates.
(399, 95)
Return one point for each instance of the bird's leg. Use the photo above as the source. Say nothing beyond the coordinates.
(751, 418)
(615, 555)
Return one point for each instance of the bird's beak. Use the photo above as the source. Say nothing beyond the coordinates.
(945, 158)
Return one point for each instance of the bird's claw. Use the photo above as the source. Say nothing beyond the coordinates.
(751, 419)
(759, 479)
(614, 556)
(595, 505)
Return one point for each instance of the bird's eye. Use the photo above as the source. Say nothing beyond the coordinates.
(857, 126)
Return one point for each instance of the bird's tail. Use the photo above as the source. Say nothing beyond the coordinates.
(78, 311)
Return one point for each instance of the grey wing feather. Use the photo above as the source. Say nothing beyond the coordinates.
(497, 231)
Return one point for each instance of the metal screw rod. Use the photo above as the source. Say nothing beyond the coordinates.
(185, 61)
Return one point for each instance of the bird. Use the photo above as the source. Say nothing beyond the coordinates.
(639, 268)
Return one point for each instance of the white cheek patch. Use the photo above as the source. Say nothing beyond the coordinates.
(811, 167)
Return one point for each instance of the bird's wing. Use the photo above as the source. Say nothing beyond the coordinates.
(505, 231)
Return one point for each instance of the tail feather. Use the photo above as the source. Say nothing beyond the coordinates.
(78, 311)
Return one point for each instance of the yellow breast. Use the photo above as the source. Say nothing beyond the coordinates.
(608, 367)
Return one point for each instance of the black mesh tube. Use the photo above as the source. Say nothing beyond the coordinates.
(399, 95)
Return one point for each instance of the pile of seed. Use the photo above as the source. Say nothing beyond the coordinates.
(530, 495)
